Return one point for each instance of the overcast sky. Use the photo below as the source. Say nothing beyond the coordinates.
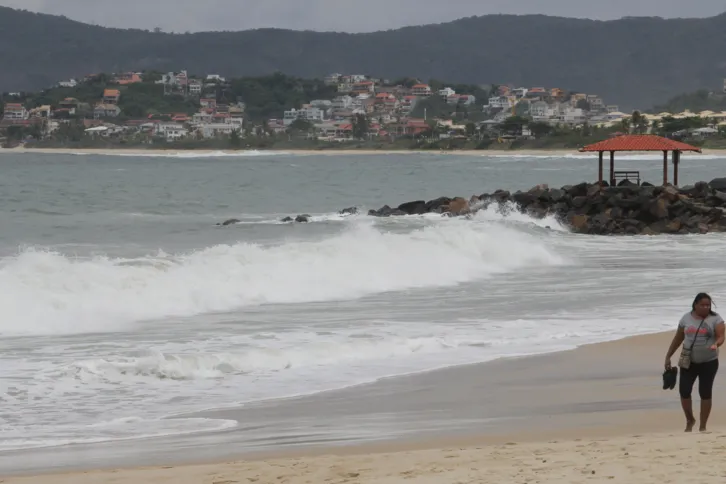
(342, 15)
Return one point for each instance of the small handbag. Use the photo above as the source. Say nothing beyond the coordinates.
(684, 361)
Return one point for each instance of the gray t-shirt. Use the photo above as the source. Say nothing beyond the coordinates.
(705, 338)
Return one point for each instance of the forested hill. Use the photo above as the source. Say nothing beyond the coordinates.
(634, 62)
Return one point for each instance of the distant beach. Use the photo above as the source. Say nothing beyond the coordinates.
(354, 152)
(101, 151)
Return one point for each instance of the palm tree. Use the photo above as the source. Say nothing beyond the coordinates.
(625, 124)
(639, 122)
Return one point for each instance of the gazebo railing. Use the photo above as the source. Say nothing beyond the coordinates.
(626, 175)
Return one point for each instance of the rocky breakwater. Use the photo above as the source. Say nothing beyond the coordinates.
(592, 209)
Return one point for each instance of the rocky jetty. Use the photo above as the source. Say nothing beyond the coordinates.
(587, 208)
(593, 209)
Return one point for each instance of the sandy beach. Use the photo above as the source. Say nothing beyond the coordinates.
(331, 152)
(594, 414)
(491, 152)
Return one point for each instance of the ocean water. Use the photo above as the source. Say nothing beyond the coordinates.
(122, 304)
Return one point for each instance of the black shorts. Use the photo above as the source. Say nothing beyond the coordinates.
(706, 374)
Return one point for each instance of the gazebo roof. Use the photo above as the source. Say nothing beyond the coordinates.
(640, 142)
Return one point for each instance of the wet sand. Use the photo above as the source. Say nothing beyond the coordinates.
(594, 413)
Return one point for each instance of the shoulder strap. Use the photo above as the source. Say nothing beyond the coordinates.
(696, 335)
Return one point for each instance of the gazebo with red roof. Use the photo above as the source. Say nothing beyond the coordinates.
(645, 142)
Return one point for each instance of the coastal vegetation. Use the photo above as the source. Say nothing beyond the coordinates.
(614, 58)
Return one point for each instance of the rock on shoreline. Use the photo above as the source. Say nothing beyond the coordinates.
(590, 209)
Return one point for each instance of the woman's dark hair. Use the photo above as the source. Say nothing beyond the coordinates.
(703, 295)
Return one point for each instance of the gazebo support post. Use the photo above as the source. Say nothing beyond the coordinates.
(612, 168)
(676, 160)
(665, 168)
(599, 170)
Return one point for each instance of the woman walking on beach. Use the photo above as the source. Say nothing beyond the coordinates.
(701, 331)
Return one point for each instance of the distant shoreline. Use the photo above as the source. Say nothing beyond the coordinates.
(288, 151)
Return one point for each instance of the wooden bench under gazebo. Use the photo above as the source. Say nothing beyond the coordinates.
(640, 142)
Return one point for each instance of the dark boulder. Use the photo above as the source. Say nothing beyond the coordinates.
(230, 221)
(718, 184)
(304, 218)
(437, 205)
(413, 208)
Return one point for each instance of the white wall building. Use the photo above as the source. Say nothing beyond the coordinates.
(212, 130)
(446, 92)
(171, 131)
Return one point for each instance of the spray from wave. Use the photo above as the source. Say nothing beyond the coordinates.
(43, 292)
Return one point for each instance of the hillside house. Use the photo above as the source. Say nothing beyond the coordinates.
(461, 99)
(331, 131)
(541, 111)
(15, 112)
(236, 111)
(68, 84)
(410, 127)
(576, 98)
(363, 87)
(596, 103)
(127, 78)
(173, 82)
(421, 90)
(446, 92)
(342, 102)
(332, 79)
(208, 103)
(202, 117)
(71, 104)
(106, 111)
(111, 96)
(195, 87)
(307, 113)
(171, 131)
(500, 102)
(408, 103)
(213, 130)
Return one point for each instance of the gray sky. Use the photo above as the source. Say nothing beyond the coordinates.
(342, 15)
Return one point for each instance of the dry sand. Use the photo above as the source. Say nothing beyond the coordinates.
(594, 414)
(638, 459)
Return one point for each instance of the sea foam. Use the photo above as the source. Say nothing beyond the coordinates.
(47, 292)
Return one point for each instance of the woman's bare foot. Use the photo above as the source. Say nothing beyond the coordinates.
(690, 424)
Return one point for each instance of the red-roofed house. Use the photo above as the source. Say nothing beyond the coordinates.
(421, 90)
(364, 87)
(111, 96)
(15, 112)
(127, 78)
(180, 118)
